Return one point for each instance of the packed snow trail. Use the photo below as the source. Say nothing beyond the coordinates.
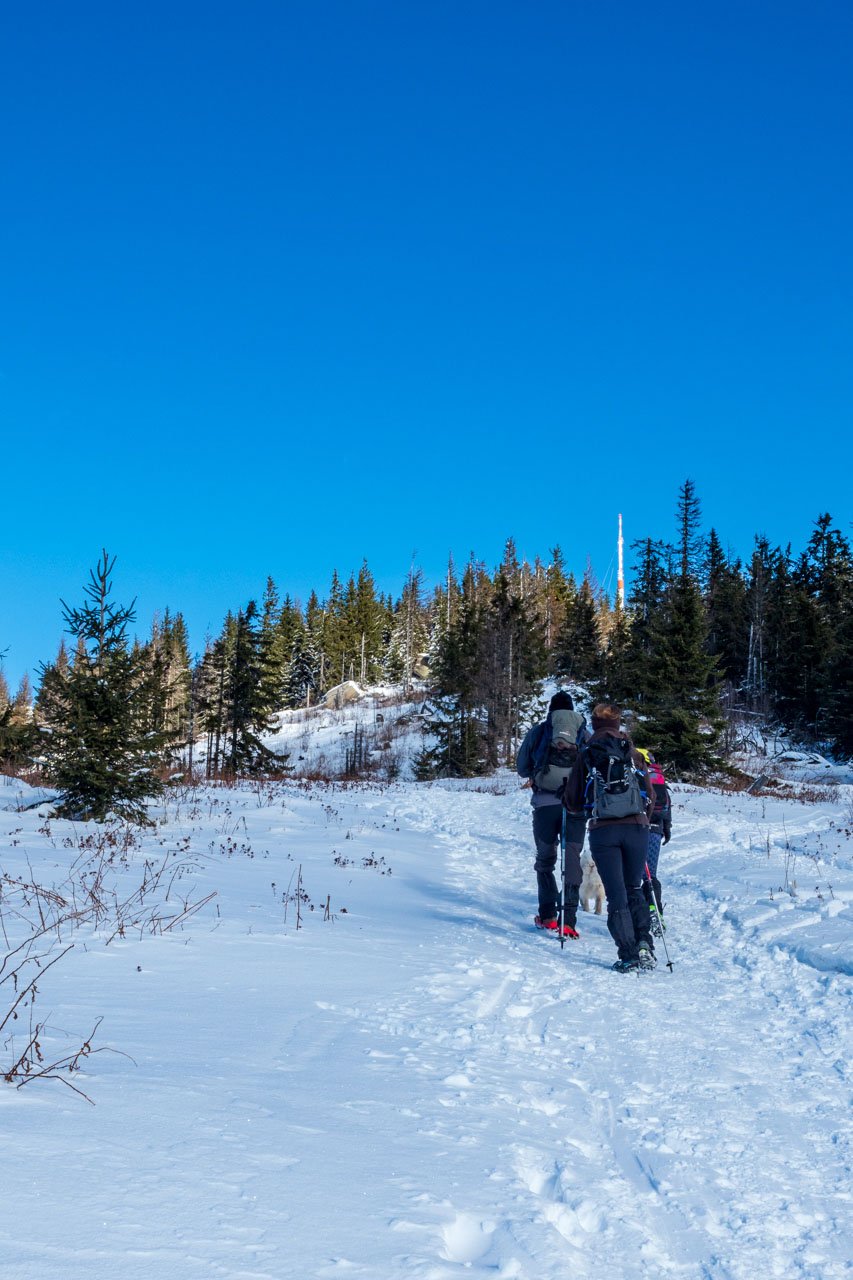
(425, 1087)
(688, 1124)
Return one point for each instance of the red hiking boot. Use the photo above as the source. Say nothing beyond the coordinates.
(553, 927)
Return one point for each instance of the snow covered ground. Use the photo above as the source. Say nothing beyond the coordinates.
(422, 1086)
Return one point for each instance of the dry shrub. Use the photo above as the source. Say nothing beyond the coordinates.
(38, 924)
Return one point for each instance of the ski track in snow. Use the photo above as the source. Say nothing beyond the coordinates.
(430, 1088)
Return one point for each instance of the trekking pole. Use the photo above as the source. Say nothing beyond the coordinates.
(562, 914)
(659, 915)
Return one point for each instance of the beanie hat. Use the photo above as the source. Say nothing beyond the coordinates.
(562, 701)
(606, 716)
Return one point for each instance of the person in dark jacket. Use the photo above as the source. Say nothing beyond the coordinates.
(546, 758)
(619, 845)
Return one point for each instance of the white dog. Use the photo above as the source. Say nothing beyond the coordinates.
(591, 886)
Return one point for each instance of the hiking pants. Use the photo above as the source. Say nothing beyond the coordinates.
(619, 852)
(652, 889)
(547, 825)
(655, 838)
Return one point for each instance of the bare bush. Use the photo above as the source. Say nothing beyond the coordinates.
(39, 923)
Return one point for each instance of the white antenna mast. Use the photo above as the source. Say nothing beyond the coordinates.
(620, 580)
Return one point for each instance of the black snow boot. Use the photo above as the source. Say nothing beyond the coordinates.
(570, 911)
(621, 929)
(651, 890)
(652, 894)
(640, 917)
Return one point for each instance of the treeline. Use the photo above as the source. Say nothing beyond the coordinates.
(154, 704)
(704, 642)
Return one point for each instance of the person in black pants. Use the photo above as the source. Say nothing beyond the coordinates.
(546, 758)
(619, 845)
(547, 830)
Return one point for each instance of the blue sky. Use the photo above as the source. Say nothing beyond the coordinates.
(286, 285)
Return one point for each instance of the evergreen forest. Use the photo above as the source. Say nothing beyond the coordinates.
(705, 643)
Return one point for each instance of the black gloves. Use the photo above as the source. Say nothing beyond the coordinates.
(667, 830)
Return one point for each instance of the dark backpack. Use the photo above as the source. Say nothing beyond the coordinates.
(613, 787)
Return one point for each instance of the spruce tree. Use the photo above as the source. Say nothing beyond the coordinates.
(689, 543)
(351, 665)
(249, 715)
(829, 570)
(272, 658)
(338, 635)
(765, 584)
(510, 568)
(315, 626)
(577, 656)
(212, 711)
(368, 620)
(289, 624)
(302, 671)
(681, 719)
(809, 602)
(839, 702)
(557, 594)
(42, 708)
(99, 751)
(799, 639)
(620, 680)
(179, 674)
(727, 612)
(19, 735)
(442, 611)
(512, 663)
(409, 632)
(462, 748)
(646, 597)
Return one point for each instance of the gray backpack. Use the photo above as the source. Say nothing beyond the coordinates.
(613, 786)
(552, 765)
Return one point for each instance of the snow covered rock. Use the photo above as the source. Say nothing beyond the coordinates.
(801, 757)
(343, 694)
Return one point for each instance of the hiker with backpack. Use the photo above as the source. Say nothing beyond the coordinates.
(611, 786)
(546, 757)
(660, 831)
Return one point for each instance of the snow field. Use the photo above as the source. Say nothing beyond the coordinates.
(424, 1086)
